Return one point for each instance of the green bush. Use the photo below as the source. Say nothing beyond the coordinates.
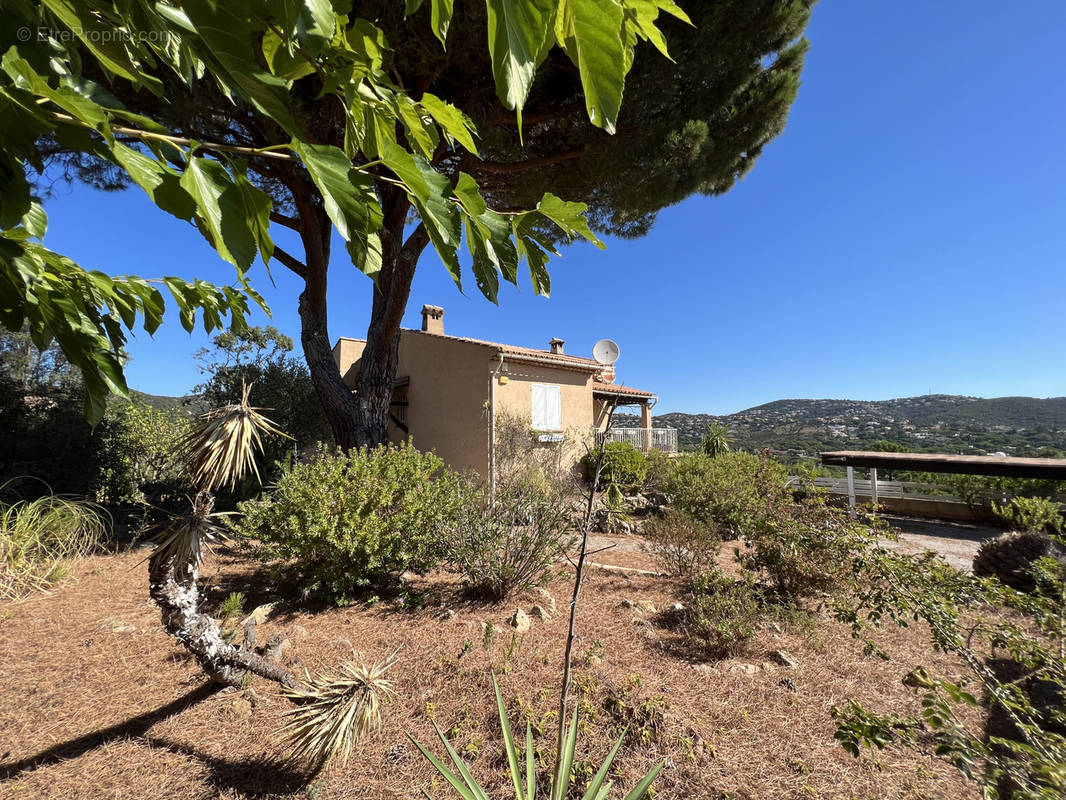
(508, 545)
(804, 548)
(729, 490)
(623, 465)
(682, 545)
(345, 521)
(722, 616)
(139, 454)
(1032, 514)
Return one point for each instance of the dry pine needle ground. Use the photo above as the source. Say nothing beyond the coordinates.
(96, 701)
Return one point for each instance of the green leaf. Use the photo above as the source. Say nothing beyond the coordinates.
(98, 36)
(159, 181)
(420, 133)
(440, 18)
(593, 790)
(224, 28)
(508, 741)
(562, 775)
(256, 206)
(466, 189)
(282, 61)
(431, 194)
(641, 789)
(35, 221)
(590, 31)
(221, 211)
(517, 32)
(349, 201)
(452, 121)
(569, 216)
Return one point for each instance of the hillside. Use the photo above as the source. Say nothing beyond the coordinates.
(949, 423)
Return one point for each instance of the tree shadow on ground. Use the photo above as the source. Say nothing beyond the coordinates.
(262, 776)
(131, 728)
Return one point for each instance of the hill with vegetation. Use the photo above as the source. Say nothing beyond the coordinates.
(931, 423)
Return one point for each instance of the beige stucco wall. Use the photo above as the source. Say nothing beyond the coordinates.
(446, 395)
(575, 390)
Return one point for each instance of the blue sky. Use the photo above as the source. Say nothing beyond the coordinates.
(906, 234)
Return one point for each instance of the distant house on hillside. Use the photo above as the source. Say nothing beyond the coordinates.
(449, 391)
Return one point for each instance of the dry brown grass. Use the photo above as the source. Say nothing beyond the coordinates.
(90, 712)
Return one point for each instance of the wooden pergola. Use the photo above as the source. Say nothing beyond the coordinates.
(1003, 466)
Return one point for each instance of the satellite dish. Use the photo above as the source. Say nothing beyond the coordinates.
(605, 352)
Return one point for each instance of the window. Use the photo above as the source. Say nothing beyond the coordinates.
(547, 407)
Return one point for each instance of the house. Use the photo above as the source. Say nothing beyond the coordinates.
(449, 391)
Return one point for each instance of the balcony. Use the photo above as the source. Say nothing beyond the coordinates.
(644, 439)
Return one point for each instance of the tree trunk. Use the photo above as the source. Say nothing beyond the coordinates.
(377, 368)
(359, 418)
(173, 587)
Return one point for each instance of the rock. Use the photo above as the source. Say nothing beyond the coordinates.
(539, 612)
(744, 669)
(259, 615)
(784, 659)
(241, 708)
(706, 669)
(656, 499)
(519, 620)
(676, 608)
(299, 632)
(546, 599)
(278, 649)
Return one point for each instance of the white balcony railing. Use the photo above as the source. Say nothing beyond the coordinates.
(645, 439)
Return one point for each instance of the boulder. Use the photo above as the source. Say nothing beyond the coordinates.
(519, 620)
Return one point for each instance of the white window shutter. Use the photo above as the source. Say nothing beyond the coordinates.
(554, 404)
(539, 404)
(547, 407)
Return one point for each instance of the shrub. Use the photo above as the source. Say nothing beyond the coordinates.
(660, 467)
(723, 614)
(804, 548)
(682, 545)
(350, 520)
(1030, 514)
(139, 455)
(623, 465)
(508, 545)
(729, 490)
(37, 535)
(521, 459)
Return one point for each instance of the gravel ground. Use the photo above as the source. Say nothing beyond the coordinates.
(957, 542)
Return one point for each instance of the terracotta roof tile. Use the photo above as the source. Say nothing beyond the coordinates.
(562, 358)
(614, 388)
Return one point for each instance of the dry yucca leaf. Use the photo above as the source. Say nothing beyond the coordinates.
(335, 710)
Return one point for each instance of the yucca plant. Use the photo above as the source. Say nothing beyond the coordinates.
(335, 710)
(36, 536)
(522, 767)
(221, 447)
(221, 450)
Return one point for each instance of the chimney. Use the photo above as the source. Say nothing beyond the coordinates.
(557, 346)
(433, 319)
